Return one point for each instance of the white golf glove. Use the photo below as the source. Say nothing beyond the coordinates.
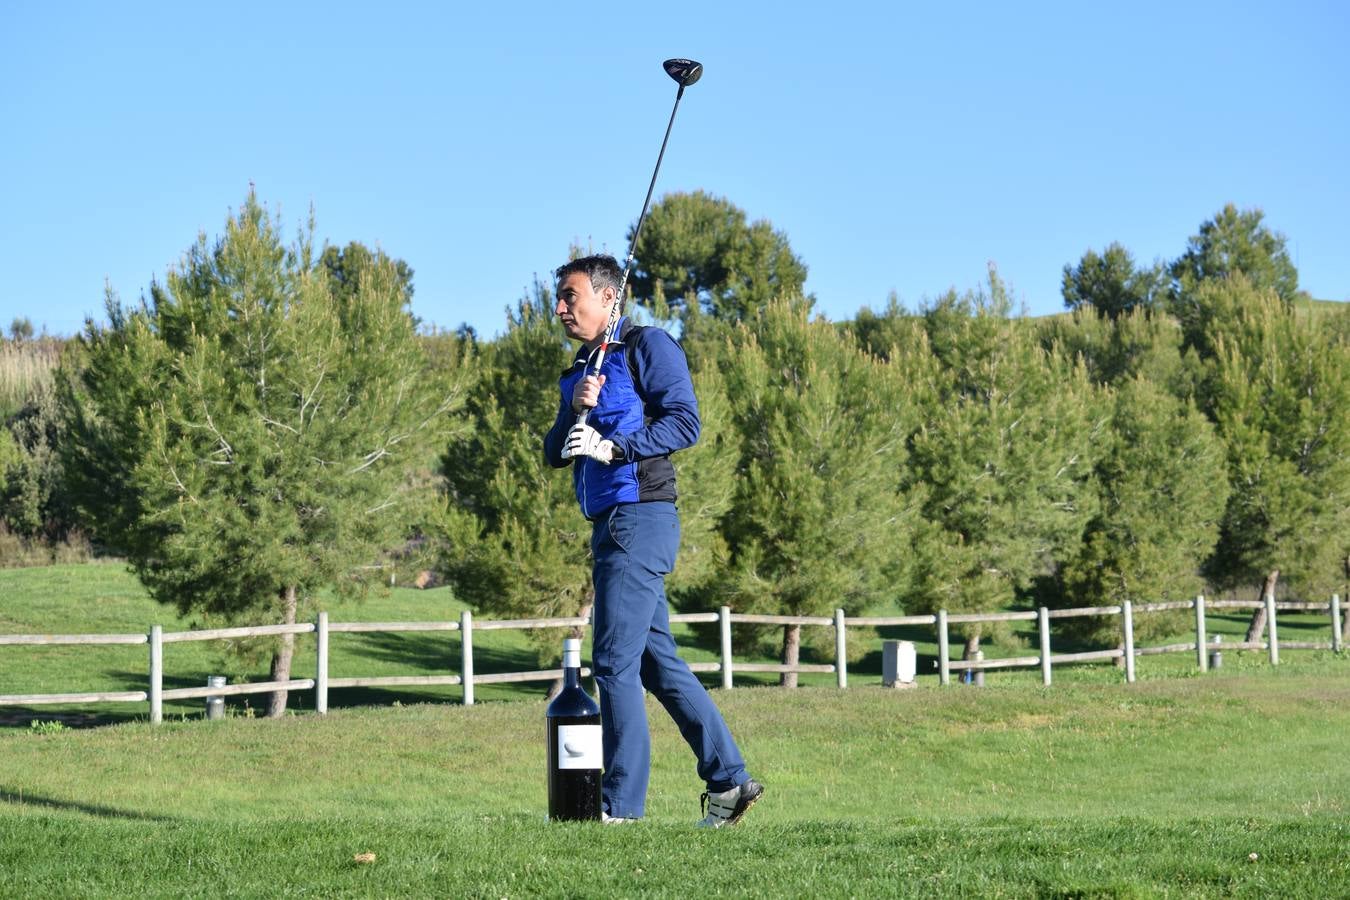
(583, 440)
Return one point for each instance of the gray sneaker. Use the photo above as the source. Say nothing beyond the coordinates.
(607, 819)
(727, 807)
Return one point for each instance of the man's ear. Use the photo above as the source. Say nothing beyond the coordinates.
(607, 295)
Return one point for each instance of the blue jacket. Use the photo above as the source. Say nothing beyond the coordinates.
(647, 408)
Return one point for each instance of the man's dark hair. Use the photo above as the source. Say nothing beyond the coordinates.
(602, 270)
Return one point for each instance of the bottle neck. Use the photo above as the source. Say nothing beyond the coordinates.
(571, 666)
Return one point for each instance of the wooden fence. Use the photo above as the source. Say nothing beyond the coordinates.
(321, 683)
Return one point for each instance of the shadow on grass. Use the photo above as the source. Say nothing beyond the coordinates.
(19, 798)
(24, 717)
(436, 653)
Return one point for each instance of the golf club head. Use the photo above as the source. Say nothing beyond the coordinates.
(684, 71)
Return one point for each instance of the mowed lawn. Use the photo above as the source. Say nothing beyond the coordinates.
(1231, 783)
(1164, 788)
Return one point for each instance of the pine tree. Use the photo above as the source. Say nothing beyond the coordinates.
(1138, 344)
(246, 436)
(1005, 458)
(514, 543)
(1234, 242)
(699, 250)
(1110, 284)
(1162, 485)
(817, 518)
(1277, 388)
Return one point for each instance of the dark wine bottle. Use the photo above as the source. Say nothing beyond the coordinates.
(574, 752)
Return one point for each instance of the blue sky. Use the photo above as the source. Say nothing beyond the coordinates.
(900, 146)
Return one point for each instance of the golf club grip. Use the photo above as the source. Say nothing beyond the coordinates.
(610, 327)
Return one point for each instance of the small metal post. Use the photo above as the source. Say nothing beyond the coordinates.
(724, 619)
(321, 667)
(215, 705)
(977, 675)
(1270, 630)
(466, 658)
(1127, 608)
(1336, 640)
(840, 650)
(1045, 644)
(1216, 654)
(1201, 658)
(944, 673)
(156, 674)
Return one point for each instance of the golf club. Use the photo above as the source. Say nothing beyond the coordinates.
(685, 72)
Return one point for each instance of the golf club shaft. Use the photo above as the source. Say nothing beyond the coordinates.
(617, 310)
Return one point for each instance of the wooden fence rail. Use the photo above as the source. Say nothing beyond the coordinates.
(321, 683)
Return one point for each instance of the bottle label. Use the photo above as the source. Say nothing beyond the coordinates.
(579, 747)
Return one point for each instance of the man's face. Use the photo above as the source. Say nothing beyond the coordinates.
(583, 310)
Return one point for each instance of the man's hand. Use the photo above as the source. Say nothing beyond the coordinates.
(583, 440)
(586, 395)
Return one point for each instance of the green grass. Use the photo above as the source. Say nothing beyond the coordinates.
(1162, 788)
(1088, 788)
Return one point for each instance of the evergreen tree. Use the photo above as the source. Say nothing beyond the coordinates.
(1005, 458)
(1110, 284)
(348, 265)
(697, 247)
(21, 329)
(33, 500)
(1233, 242)
(515, 544)
(878, 333)
(10, 458)
(1136, 344)
(1162, 484)
(817, 516)
(1278, 387)
(246, 436)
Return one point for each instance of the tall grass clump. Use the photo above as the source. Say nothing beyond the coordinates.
(26, 367)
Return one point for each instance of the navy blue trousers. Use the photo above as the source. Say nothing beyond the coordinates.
(634, 547)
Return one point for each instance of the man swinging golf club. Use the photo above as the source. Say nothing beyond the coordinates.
(637, 410)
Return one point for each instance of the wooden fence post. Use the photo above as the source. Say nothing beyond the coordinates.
(1336, 643)
(977, 675)
(1045, 645)
(321, 667)
(1270, 630)
(944, 674)
(840, 650)
(1201, 656)
(724, 619)
(156, 674)
(1127, 610)
(466, 655)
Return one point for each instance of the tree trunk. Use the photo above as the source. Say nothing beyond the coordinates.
(792, 649)
(281, 660)
(579, 631)
(1345, 601)
(972, 647)
(1258, 623)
